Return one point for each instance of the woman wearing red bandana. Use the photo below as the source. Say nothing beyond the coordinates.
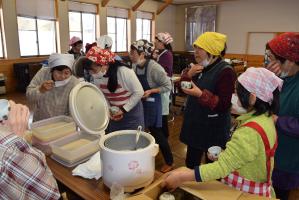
(283, 56)
(120, 86)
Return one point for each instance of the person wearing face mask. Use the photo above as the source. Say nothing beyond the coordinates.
(106, 42)
(76, 47)
(48, 91)
(154, 81)
(207, 112)
(165, 58)
(120, 86)
(249, 155)
(283, 54)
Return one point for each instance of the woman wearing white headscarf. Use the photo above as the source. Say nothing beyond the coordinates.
(48, 91)
(165, 58)
(106, 42)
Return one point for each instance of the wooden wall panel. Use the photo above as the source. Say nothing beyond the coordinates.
(6, 67)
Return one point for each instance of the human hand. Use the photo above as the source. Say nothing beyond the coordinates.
(195, 69)
(117, 116)
(176, 177)
(46, 86)
(274, 66)
(18, 117)
(194, 91)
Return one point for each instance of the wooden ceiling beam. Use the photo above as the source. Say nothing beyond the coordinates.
(163, 6)
(105, 2)
(136, 6)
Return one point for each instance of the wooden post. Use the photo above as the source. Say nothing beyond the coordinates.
(163, 6)
(105, 2)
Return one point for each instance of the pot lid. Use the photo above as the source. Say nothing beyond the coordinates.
(89, 108)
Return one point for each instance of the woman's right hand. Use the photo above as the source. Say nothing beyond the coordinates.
(46, 86)
(17, 118)
(274, 66)
(195, 69)
(211, 157)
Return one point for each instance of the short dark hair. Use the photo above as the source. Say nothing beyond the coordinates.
(60, 68)
(77, 43)
(260, 106)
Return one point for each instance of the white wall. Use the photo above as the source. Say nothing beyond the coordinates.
(236, 18)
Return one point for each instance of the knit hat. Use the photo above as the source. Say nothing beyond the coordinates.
(261, 82)
(286, 46)
(73, 40)
(104, 42)
(100, 56)
(211, 42)
(165, 38)
(57, 59)
(144, 46)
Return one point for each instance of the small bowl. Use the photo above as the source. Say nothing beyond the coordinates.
(214, 151)
(114, 109)
(186, 84)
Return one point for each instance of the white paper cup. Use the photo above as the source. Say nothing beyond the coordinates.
(114, 109)
(186, 85)
(214, 151)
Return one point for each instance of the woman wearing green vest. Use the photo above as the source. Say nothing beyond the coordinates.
(283, 54)
(249, 155)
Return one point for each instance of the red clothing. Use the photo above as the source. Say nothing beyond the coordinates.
(24, 173)
(221, 100)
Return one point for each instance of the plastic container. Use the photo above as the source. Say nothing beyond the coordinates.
(92, 116)
(46, 131)
(53, 128)
(76, 147)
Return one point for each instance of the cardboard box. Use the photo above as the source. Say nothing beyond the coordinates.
(212, 190)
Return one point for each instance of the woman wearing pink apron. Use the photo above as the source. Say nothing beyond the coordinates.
(247, 161)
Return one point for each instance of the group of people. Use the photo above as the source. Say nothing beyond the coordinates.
(261, 152)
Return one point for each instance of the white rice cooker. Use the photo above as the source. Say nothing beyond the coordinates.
(122, 162)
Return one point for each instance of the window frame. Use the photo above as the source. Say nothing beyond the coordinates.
(81, 24)
(37, 38)
(151, 28)
(115, 28)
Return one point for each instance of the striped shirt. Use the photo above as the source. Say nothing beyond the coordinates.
(24, 173)
(129, 90)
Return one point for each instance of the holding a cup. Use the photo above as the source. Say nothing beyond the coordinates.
(186, 85)
(213, 152)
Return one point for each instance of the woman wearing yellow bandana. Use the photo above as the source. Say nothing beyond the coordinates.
(207, 114)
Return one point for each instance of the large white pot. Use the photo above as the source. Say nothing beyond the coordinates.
(124, 165)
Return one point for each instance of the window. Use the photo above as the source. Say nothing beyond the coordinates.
(117, 27)
(82, 21)
(36, 27)
(199, 19)
(144, 25)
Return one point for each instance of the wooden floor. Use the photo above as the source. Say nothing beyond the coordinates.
(177, 147)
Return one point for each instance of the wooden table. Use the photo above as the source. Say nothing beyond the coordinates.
(85, 188)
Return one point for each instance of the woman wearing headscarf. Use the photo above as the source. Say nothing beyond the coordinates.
(120, 86)
(76, 47)
(106, 42)
(249, 155)
(164, 57)
(48, 91)
(207, 113)
(154, 81)
(283, 54)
